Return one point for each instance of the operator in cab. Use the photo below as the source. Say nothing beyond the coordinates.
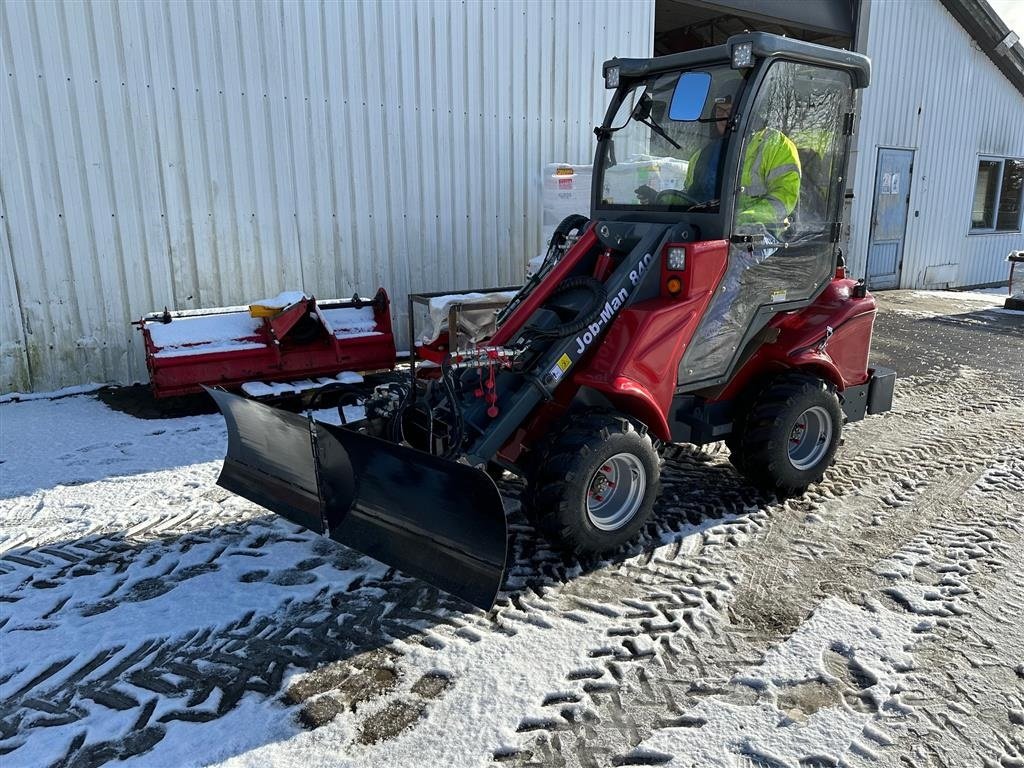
(771, 173)
(770, 190)
(771, 176)
(770, 181)
(702, 171)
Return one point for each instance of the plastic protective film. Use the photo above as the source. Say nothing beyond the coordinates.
(787, 202)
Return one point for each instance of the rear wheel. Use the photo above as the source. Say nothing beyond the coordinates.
(790, 434)
(595, 487)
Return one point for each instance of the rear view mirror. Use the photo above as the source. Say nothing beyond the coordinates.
(691, 93)
(625, 110)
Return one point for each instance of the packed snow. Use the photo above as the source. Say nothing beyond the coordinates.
(205, 334)
(350, 322)
(153, 619)
(260, 389)
(282, 300)
(77, 389)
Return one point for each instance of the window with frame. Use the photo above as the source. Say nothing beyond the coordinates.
(998, 193)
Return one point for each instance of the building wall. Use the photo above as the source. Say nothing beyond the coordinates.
(935, 92)
(205, 153)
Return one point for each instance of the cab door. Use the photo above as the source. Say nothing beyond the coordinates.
(787, 209)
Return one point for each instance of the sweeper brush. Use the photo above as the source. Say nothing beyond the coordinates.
(704, 299)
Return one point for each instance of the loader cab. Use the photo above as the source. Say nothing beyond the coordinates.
(744, 143)
(665, 138)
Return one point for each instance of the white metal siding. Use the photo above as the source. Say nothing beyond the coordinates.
(209, 153)
(935, 92)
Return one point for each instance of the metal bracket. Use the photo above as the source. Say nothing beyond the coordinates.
(848, 120)
(829, 330)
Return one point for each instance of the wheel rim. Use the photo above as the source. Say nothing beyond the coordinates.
(616, 491)
(810, 437)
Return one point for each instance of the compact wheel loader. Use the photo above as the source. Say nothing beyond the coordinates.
(703, 300)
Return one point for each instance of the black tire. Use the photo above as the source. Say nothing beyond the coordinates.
(735, 449)
(793, 407)
(566, 476)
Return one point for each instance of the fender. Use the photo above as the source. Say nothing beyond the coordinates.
(840, 358)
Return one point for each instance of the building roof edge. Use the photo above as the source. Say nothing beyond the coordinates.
(990, 32)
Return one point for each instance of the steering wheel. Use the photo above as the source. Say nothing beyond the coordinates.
(671, 196)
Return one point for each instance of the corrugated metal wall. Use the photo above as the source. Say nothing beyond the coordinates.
(201, 154)
(935, 92)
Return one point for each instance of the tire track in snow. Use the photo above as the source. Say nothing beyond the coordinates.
(665, 608)
(935, 583)
(967, 687)
(654, 600)
(644, 699)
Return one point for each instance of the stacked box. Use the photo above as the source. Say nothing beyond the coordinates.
(566, 192)
(567, 187)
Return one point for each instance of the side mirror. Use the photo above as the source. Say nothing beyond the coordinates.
(642, 110)
(690, 95)
(625, 110)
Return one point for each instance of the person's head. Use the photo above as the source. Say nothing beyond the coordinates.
(720, 113)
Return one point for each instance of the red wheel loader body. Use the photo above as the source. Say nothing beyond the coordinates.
(705, 290)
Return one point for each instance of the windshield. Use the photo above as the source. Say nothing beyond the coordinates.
(655, 162)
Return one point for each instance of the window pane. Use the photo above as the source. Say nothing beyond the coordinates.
(1008, 218)
(680, 166)
(790, 152)
(985, 188)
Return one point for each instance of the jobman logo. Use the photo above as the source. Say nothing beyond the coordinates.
(607, 313)
(636, 275)
(613, 305)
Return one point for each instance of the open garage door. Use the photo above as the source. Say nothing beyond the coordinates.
(683, 25)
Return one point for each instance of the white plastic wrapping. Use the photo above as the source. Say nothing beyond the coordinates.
(566, 192)
(477, 324)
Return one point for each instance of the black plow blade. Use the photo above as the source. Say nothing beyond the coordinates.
(434, 519)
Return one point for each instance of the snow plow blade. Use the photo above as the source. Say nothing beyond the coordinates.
(434, 519)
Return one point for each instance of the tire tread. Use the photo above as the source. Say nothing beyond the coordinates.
(756, 452)
(550, 490)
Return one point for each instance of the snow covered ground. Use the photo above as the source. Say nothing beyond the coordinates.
(150, 617)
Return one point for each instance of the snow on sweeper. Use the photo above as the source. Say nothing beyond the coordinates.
(705, 299)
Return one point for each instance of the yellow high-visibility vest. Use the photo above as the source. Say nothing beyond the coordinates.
(770, 180)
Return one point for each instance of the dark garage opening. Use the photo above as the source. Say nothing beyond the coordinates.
(683, 25)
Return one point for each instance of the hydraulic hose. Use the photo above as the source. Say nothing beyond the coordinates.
(555, 246)
(598, 297)
(447, 378)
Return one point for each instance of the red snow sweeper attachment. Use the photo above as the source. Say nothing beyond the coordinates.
(290, 337)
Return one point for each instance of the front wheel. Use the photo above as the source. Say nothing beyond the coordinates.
(790, 435)
(595, 487)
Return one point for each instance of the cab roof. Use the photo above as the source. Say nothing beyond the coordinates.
(764, 44)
